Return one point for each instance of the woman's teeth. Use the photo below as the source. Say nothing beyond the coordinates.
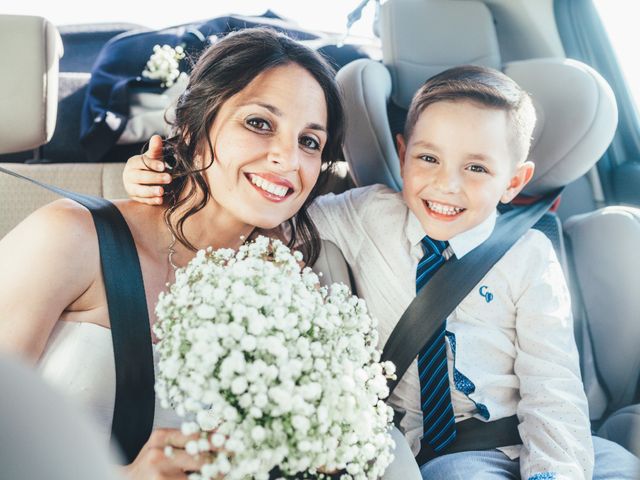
(267, 186)
(443, 209)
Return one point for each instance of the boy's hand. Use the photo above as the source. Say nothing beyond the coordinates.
(144, 174)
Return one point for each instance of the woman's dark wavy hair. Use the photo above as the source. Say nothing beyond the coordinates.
(223, 70)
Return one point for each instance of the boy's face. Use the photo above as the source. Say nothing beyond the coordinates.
(458, 165)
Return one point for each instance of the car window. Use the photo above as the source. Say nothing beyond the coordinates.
(624, 35)
(327, 16)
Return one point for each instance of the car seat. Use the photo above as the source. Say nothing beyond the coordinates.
(29, 102)
(577, 117)
(602, 248)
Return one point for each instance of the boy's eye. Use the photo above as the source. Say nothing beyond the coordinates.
(477, 169)
(310, 143)
(259, 124)
(428, 158)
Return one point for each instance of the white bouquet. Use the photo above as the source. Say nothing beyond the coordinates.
(274, 371)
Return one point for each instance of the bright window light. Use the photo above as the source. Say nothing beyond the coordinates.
(622, 28)
(325, 15)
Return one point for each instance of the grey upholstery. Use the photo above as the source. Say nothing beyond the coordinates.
(623, 427)
(577, 118)
(42, 436)
(18, 198)
(28, 98)
(607, 274)
(422, 38)
(576, 107)
(331, 266)
(604, 244)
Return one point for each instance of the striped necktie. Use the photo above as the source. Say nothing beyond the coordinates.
(435, 397)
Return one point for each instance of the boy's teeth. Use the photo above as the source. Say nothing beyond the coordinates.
(267, 186)
(444, 209)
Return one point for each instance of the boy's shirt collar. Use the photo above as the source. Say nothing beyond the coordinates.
(462, 243)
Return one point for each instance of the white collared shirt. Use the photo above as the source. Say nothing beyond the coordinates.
(514, 349)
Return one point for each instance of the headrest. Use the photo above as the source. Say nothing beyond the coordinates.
(29, 84)
(422, 38)
(576, 109)
(577, 118)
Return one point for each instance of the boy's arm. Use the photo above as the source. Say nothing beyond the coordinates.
(553, 410)
(341, 218)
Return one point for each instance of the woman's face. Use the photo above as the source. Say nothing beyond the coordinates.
(267, 142)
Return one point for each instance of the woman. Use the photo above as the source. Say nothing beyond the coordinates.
(260, 116)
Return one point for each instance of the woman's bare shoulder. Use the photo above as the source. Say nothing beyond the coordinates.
(49, 261)
(61, 231)
(63, 221)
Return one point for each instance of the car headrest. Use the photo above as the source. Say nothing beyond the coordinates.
(576, 108)
(422, 38)
(577, 118)
(29, 83)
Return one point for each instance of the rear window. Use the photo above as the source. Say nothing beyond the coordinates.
(327, 15)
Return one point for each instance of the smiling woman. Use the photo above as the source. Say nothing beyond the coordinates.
(258, 106)
(253, 123)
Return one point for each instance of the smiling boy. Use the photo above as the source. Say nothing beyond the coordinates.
(508, 348)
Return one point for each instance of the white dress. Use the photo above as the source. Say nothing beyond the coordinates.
(78, 361)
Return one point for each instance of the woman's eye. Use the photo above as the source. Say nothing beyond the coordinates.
(259, 124)
(428, 158)
(477, 169)
(310, 143)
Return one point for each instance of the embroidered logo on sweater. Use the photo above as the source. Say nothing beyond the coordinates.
(484, 292)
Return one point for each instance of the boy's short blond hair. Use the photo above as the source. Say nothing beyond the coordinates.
(487, 87)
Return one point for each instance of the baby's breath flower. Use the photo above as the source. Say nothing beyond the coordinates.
(164, 64)
(280, 372)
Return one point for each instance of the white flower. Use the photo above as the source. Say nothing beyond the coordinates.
(217, 440)
(300, 423)
(189, 428)
(258, 434)
(279, 371)
(192, 447)
(239, 385)
(248, 343)
(207, 420)
(206, 311)
(164, 64)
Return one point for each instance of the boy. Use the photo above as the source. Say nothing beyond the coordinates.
(508, 347)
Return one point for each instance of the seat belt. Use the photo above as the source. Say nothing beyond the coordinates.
(439, 298)
(134, 403)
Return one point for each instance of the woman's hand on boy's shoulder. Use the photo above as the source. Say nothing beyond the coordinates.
(144, 175)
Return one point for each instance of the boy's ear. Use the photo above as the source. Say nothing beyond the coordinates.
(402, 148)
(522, 176)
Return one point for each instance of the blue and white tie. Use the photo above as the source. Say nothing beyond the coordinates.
(435, 396)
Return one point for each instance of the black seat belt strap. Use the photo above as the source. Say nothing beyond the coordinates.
(473, 434)
(129, 318)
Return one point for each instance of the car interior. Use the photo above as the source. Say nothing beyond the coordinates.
(578, 113)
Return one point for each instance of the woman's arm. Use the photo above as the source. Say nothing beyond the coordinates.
(48, 262)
